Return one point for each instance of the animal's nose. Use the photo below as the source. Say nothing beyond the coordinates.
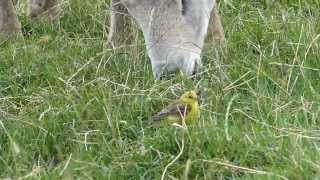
(194, 62)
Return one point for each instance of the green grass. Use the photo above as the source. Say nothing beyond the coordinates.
(73, 109)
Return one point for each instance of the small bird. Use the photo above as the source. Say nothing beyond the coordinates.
(181, 111)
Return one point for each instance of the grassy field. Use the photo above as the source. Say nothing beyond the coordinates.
(70, 108)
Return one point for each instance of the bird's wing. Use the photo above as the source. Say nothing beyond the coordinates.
(179, 110)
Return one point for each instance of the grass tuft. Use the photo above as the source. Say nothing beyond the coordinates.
(70, 108)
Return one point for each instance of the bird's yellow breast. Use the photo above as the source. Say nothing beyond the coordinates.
(194, 113)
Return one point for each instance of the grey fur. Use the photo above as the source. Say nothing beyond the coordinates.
(47, 9)
(9, 23)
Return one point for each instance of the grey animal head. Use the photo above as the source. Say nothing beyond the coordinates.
(174, 31)
(48, 8)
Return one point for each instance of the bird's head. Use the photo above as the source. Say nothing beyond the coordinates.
(189, 96)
